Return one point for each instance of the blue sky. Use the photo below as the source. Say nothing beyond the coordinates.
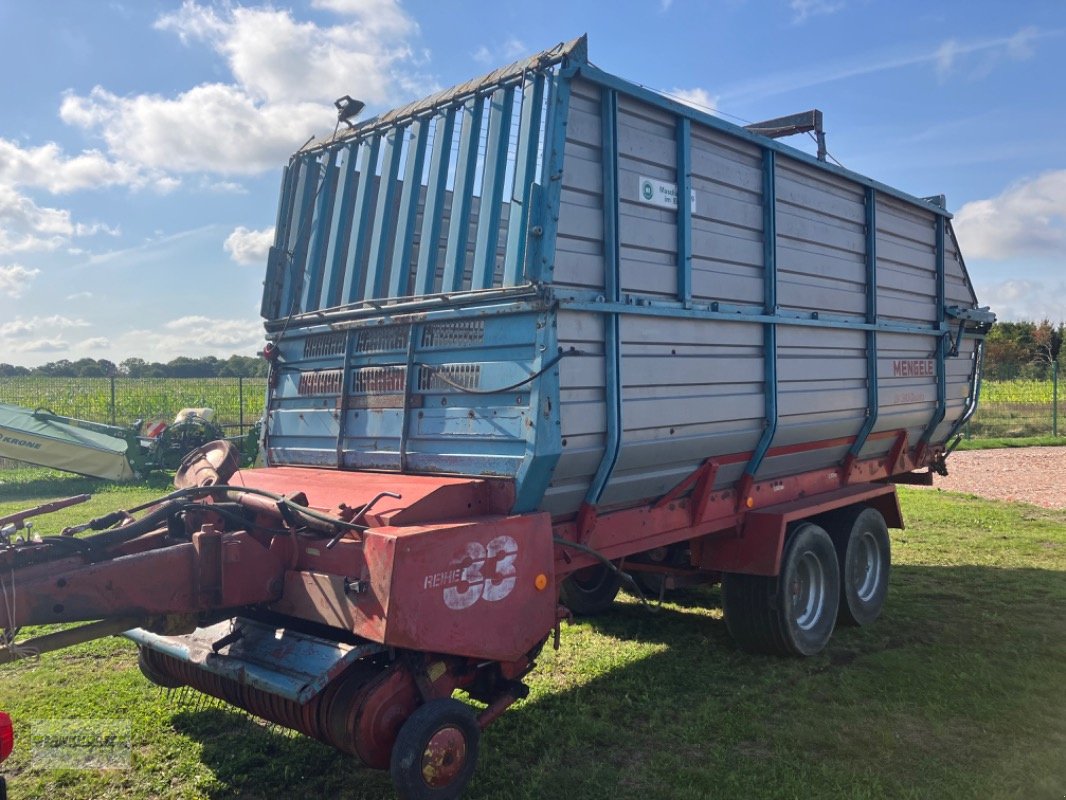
(141, 143)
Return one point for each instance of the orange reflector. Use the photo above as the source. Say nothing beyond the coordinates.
(541, 582)
(751, 502)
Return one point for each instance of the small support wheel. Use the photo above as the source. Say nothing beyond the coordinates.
(865, 554)
(591, 590)
(795, 612)
(436, 751)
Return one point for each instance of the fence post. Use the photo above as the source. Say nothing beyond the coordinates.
(240, 401)
(112, 399)
(1055, 398)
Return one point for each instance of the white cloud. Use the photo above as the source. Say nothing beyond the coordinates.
(802, 9)
(210, 128)
(946, 55)
(246, 246)
(511, 49)
(1023, 299)
(80, 296)
(27, 227)
(1027, 220)
(664, 5)
(197, 335)
(47, 167)
(280, 59)
(15, 278)
(695, 97)
(21, 328)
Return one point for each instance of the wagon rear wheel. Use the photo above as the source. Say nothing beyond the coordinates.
(435, 752)
(864, 552)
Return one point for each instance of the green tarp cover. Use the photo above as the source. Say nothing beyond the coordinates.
(48, 443)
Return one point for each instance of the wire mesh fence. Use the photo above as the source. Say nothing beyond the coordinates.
(1017, 408)
(237, 402)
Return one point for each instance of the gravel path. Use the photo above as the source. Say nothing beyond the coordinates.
(1034, 475)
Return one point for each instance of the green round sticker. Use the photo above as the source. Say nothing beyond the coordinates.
(647, 190)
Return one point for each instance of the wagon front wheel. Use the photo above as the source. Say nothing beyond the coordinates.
(591, 590)
(436, 751)
(794, 612)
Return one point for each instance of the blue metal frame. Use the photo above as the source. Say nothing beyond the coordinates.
(436, 186)
(462, 197)
(872, 399)
(323, 220)
(400, 275)
(488, 228)
(382, 233)
(525, 169)
(602, 78)
(338, 245)
(944, 339)
(353, 277)
(612, 360)
(541, 261)
(684, 211)
(769, 217)
(296, 246)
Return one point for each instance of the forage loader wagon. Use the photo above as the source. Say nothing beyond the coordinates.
(526, 335)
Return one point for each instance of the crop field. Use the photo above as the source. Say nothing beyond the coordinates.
(955, 692)
(123, 400)
(1017, 408)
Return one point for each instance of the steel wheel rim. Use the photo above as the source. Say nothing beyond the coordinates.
(869, 563)
(444, 757)
(808, 591)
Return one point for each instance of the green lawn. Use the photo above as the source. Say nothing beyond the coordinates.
(958, 691)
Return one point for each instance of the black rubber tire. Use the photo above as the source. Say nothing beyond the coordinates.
(591, 590)
(763, 614)
(863, 547)
(407, 766)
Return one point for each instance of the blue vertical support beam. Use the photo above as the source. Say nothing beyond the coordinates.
(323, 221)
(684, 211)
(872, 400)
(298, 230)
(353, 273)
(284, 221)
(433, 213)
(612, 360)
(337, 252)
(542, 263)
(943, 338)
(769, 221)
(462, 196)
(276, 260)
(400, 274)
(382, 232)
(527, 150)
(488, 225)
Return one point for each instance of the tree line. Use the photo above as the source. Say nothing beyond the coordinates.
(1025, 350)
(181, 367)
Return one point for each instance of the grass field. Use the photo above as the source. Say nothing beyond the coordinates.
(956, 692)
